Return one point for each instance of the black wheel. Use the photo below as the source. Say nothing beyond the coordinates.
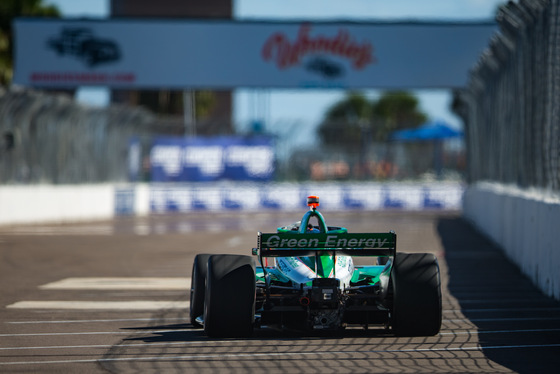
(198, 287)
(229, 309)
(416, 295)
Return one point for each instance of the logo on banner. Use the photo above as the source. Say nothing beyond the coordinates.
(167, 157)
(80, 43)
(258, 161)
(210, 159)
(285, 54)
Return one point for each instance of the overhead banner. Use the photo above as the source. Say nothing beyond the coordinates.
(174, 159)
(229, 54)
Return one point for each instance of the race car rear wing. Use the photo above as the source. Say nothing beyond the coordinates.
(296, 244)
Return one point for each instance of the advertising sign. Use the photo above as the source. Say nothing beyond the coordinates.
(186, 197)
(229, 54)
(176, 159)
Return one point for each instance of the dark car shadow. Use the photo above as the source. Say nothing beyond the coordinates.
(499, 300)
(187, 332)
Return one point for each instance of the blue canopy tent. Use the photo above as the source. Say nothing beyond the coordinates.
(436, 132)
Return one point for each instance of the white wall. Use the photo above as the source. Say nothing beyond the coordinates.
(45, 203)
(525, 223)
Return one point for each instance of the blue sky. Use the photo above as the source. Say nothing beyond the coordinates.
(323, 9)
(281, 109)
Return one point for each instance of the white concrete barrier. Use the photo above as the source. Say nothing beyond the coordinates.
(46, 203)
(525, 223)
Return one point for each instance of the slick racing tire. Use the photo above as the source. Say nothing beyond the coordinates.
(416, 295)
(198, 287)
(229, 309)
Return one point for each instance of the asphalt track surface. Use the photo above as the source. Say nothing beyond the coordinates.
(113, 297)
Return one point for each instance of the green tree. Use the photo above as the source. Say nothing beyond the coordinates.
(10, 9)
(396, 110)
(348, 121)
(205, 102)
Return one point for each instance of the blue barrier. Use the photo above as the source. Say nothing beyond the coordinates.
(287, 196)
(124, 201)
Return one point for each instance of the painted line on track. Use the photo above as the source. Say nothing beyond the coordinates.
(139, 345)
(482, 310)
(161, 320)
(104, 346)
(143, 345)
(186, 320)
(474, 332)
(535, 300)
(470, 332)
(119, 283)
(280, 354)
(101, 305)
(97, 333)
(503, 319)
(52, 230)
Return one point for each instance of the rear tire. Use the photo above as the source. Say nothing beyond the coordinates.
(229, 309)
(198, 287)
(416, 295)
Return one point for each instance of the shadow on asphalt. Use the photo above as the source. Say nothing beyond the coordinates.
(496, 297)
(186, 332)
(491, 292)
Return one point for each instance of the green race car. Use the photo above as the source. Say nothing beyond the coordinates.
(307, 279)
